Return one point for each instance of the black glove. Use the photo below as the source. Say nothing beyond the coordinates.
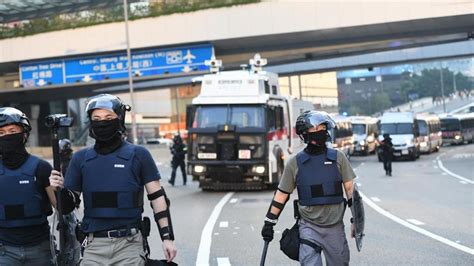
(267, 231)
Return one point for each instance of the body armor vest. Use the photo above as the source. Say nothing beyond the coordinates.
(21, 204)
(111, 184)
(318, 180)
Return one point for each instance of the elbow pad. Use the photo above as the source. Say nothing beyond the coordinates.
(273, 218)
(166, 232)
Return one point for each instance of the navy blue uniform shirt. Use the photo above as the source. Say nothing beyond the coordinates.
(73, 181)
(30, 235)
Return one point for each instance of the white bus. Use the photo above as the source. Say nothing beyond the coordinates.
(458, 128)
(429, 128)
(365, 133)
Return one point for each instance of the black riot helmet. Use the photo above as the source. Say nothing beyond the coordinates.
(310, 119)
(108, 102)
(13, 116)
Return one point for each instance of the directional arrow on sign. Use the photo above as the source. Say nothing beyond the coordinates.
(41, 82)
(87, 78)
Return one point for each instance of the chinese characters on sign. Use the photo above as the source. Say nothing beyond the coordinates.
(115, 66)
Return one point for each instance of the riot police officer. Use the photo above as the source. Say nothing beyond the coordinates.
(387, 151)
(320, 174)
(26, 196)
(178, 150)
(111, 176)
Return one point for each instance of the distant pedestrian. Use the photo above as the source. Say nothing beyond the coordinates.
(178, 150)
(387, 150)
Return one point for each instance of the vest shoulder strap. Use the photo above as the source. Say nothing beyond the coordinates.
(331, 154)
(30, 165)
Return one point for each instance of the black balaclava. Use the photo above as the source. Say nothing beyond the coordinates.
(13, 151)
(317, 142)
(107, 135)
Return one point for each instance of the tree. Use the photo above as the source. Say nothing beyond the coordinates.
(428, 83)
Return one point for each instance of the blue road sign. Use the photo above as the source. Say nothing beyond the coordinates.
(114, 66)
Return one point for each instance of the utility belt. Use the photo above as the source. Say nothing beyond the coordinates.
(124, 231)
(117, 233)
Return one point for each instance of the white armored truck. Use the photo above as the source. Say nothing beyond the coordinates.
(241, 129)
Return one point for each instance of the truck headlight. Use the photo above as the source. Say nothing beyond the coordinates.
(457, 137)
(259, 169)
(362, 142)
(199, 169)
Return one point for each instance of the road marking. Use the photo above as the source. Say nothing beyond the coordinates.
(224, 224)
(453, 174)
(434, 161)
(206, 236)
(253, 228)
(216, 233)
(234, 200)
(234, 233)
(414, 227)
(236, 228)
(223, 262)
(375, 199)
(415, 222)
(463, 182)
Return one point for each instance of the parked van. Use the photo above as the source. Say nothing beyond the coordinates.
(429, 127)
(403, 129)
(365, 132)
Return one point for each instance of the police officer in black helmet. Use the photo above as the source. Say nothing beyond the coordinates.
(111, 176)
(320, 175)
(25, 195)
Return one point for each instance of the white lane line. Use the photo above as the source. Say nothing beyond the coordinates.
(440, 164)
(463, 182)
(375, 199)
(415, 222)
(236, 228)
(234, 200)
(223, 262)
(224, 224)
(206, 236)
(414, 227)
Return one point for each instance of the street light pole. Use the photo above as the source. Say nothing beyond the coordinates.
(130, 76)
(442, 85)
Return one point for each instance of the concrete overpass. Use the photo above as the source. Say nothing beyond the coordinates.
(310, 34)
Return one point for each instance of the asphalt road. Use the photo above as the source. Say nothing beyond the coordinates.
(422, 215)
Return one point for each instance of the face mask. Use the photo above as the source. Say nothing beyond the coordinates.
(105, 130)
(318, 138)
(12, 150)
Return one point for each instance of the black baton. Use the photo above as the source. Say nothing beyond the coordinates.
(264, 253)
